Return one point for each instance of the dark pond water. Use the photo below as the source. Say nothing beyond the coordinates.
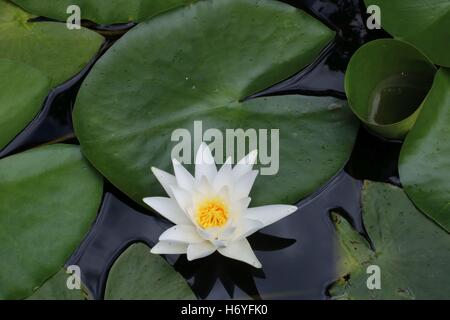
(298, 252)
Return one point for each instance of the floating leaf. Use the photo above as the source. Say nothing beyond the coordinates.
(49, 197)
(426, 24)
(102, 11)
(386, 82)
(58, 52)
(193, 68)
(56, 289)
(412, 252)
(139, 275)
(22, 92)
(425, 157)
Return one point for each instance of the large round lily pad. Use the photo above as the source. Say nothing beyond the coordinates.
(138, 274)
(22, 92)
(102, 11)
(58, 52)
(412, 252)
(49, 197)
(184, 66)
(426, 24)
(425, 157)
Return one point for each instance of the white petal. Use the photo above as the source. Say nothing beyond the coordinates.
(243, 187)
(241, 250)
(245, 164)
(165, 179)
(191, 215)
(245, 202)
(205, 165)
(200, 250)
(183, 197)
(169, 209)
(181, 234)
(167, 247)
(248, 227)
(224, 193)
(224, 176)
(227, 231)
(218, 235)
(202, 185)
(238, 207)
(269, 214)
(184, 179)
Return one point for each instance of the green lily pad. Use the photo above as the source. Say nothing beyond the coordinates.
(49, 196)
(56, 289)
(139, 275)
(426, 24)
(412, 253)
(22, 92)
(192, 68)
(386, 94)
(424, 163)
(58, 52)
(102, 11)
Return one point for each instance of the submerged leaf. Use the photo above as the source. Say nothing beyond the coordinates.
(49, 196)
(412, 253)
(138, 274)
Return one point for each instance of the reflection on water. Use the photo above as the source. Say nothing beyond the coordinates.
(297, 253)
(375, 159)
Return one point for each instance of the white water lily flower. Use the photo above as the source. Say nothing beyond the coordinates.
(210, 211)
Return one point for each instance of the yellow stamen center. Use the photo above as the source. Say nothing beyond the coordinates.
(212, 213)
